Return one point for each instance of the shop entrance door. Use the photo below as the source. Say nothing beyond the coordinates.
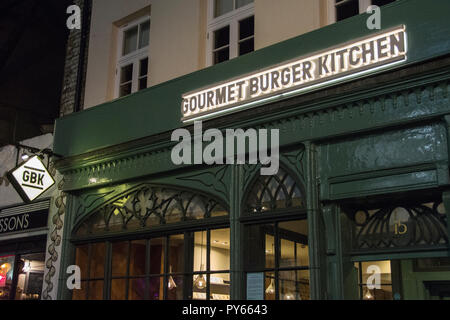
(403, 279)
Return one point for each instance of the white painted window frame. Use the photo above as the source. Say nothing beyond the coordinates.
(132, 58)
(232, 19)
(331, 9)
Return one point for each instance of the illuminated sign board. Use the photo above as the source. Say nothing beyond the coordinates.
(31, 179)
(306, 73)
(23, 221)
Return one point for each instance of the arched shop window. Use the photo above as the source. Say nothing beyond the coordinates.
(148, 207)
(274, 193)
(155, 243)
(277, 249)
(408, 242)
(419, 226)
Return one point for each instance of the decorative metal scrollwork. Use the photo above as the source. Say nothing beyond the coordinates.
(422, 225)
(274, 192)
(150, 206)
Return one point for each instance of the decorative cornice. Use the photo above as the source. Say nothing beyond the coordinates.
(396, 103)
(211, 179)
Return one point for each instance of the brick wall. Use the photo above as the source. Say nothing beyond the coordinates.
(73, 52)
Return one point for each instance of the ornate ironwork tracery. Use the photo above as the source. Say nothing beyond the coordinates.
(400, 226)
(150, 206)
(274, 192)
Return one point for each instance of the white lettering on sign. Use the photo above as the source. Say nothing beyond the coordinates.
(306, 73)
(31, 179)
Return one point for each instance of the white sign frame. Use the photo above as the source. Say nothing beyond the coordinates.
(31, 179)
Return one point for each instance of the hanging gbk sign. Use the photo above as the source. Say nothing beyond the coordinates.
(31, 179)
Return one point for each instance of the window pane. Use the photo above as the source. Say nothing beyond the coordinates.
(222, 6)
(196, 208)
(199, 286)
(175, 287)
(136, 290)
(381, 268)
(302, 254)
(137, 257)
(130, 40)
(241, 3)
(118, 289)
(222, 37)
(246, 27)
(220, 249)
(384, 293)
(220, 286)
(218, 211)
(292, 233)
(82, 260)
(176, 253)
(119, 259)
(143, 67)
(125, 89)
(157, 246)
(156, 289)
(144, 35)
(270, 287)
(381, 2)
(30, 277)
(270, 251)
(259, 247)
(126, 73)
(142, 83)
(6, 274)
(346, 10)
(80, 294)
(221, 55)
(246, 46)
(294, 285)
(95, 290)
(200, 251)
(97, 260)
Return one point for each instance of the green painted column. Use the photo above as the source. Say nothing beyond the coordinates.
(333, 252)
(315, 226)
(67, 251)
(237, 275)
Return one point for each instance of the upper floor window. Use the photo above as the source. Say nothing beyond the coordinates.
(132, 65)
(231, 29)
(344, 9)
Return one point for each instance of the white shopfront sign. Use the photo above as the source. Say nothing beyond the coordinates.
(306, 73)
(31, 179)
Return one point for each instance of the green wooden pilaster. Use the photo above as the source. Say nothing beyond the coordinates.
(335, 281)
(236, 264)
(315, 225)
(67, 250)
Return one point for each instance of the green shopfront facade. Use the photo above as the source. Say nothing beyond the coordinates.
(363, 187)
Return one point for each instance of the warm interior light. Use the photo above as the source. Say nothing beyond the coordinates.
(200, 282)
(5, 267)
(368, 295)
(271, 288)
(289, 296)
(27, 266)
(171, 283)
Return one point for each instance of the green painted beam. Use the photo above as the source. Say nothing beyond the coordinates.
(157, 109)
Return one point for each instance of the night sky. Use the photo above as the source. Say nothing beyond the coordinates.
(33, 37)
